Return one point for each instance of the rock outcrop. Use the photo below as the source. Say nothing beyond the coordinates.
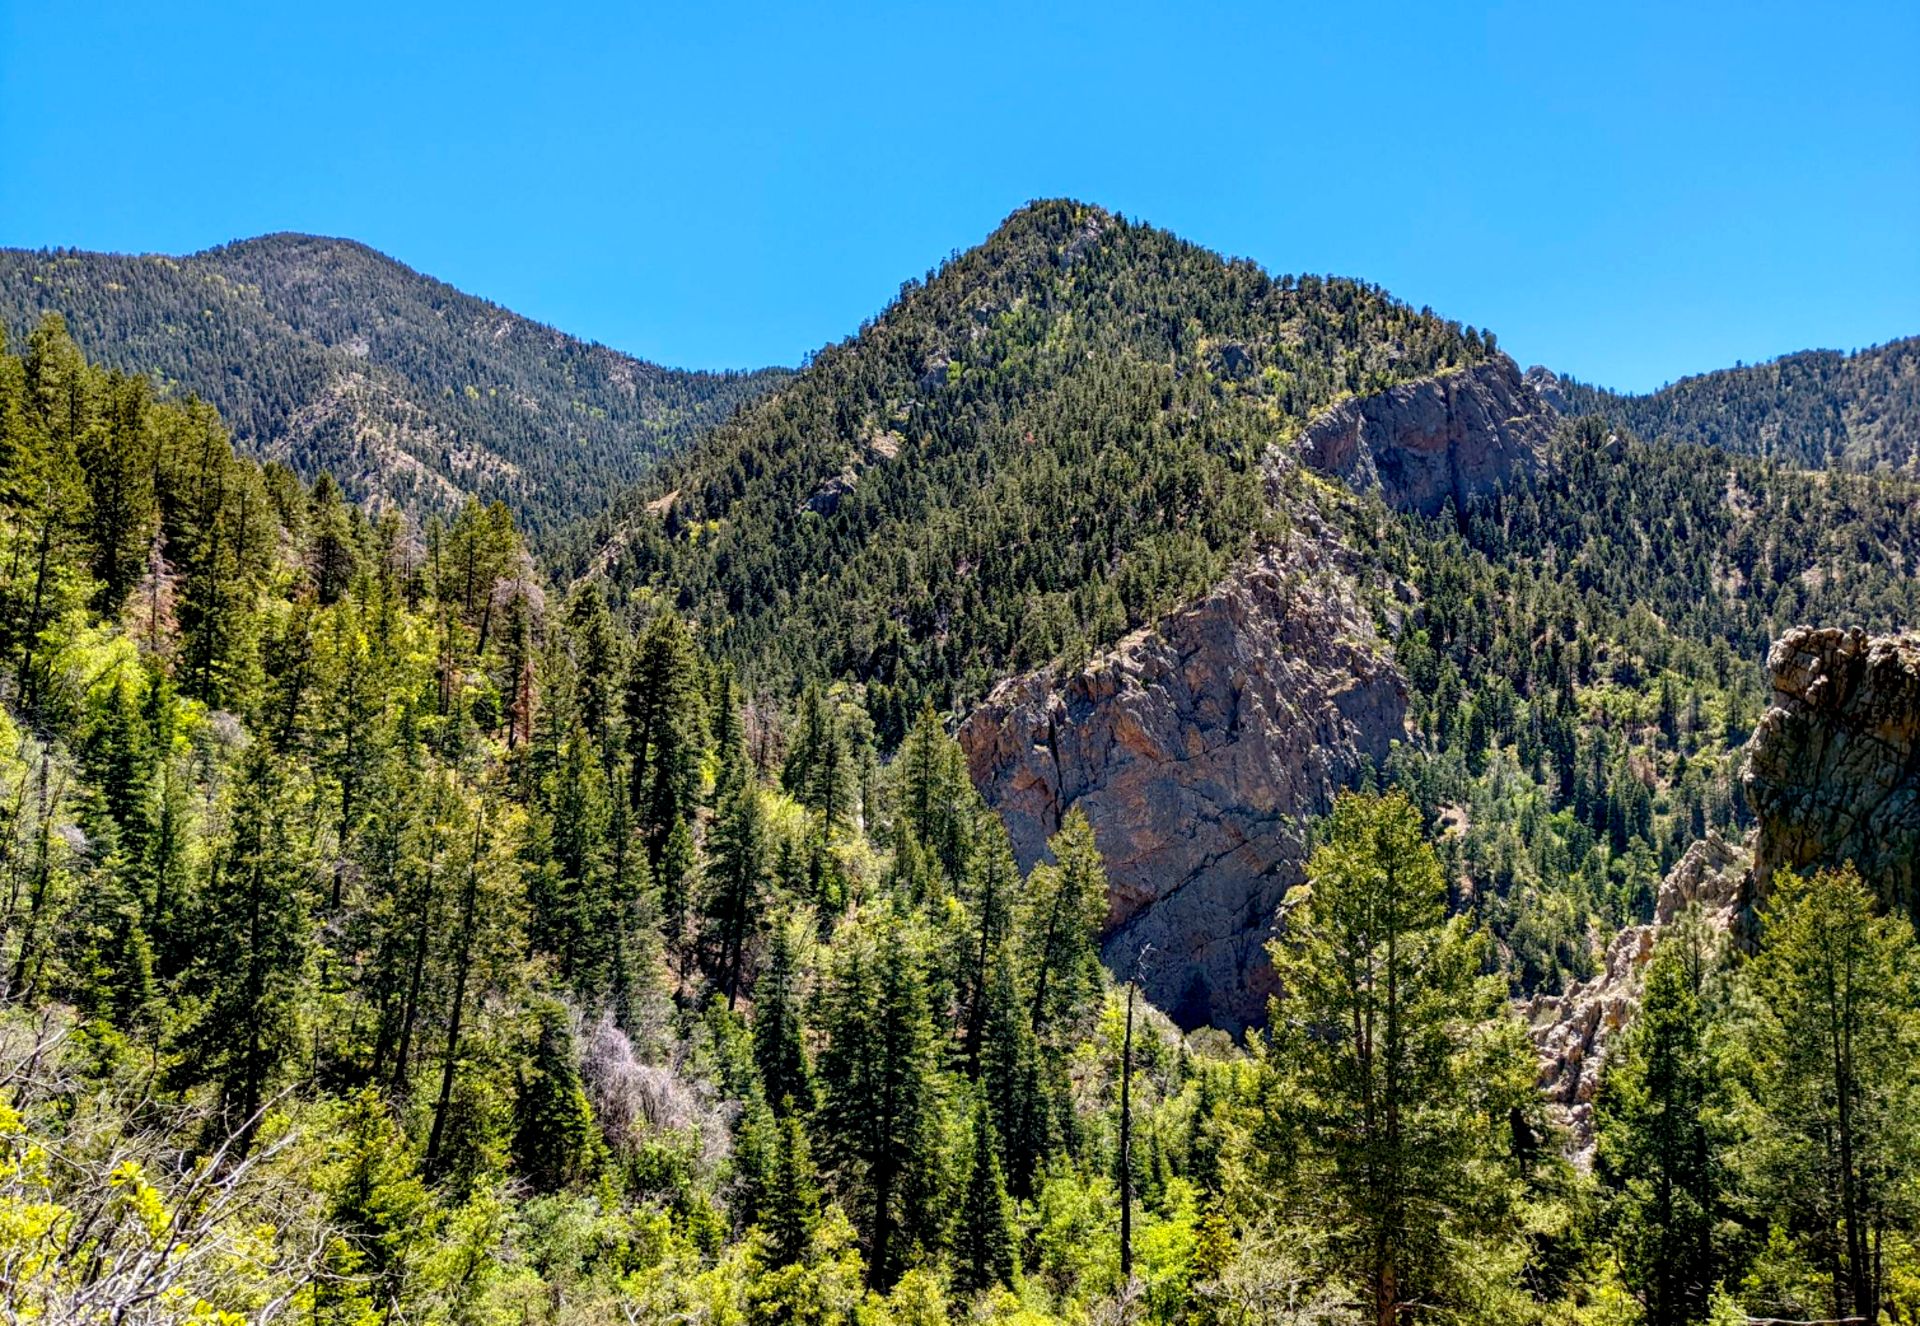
(1197, 749)
(1431, 445)
(1572, 1031)
(1833, 770)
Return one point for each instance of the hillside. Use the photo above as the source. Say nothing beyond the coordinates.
(1812, 409)
(1054, 438)
(330, 356)
(388, 938)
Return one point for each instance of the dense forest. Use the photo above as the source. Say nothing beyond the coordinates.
(391, 934)
(331, 357)
(1588, 664)
(1051, 440)
(1814, 409)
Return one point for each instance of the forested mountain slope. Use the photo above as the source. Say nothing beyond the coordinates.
(388, 934)
(1054, 438)
(1813, 409)
(385, 941)
(330, 356)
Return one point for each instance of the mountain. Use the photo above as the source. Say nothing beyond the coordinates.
(424, 940)
(1203, 745)
(1190, 549)
(330, 356)
(1813, 409)
(1054, 439)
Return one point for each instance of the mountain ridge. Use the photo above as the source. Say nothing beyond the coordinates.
(331, 355)
(1856, 409)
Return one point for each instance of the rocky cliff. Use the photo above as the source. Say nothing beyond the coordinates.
(1197, 749)
(1431, 445)
(1833, 770)
(1832, 775)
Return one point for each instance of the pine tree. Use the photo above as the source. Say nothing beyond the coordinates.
(555, 1144)
(1654, 1116)
(1835, 1035)
(1012, 1079)
(983, 1233)
(790, 1205)
(778, 1049)
(251, 945)
(1065, 907)
(664, 726)
(880, 1080)
(1382, 995)
(995, 882)
(735, 881)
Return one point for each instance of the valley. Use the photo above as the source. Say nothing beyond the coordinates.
(1132, 788)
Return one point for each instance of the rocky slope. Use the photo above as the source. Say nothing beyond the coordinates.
(1832, 775)
(1572, 1031)
(1833, 771)
(1431, 445)
(1197, 748)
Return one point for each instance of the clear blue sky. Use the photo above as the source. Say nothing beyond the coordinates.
(1626, 192)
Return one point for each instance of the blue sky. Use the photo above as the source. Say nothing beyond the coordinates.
(1625, 192)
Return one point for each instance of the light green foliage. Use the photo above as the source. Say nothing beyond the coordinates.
(514, 961)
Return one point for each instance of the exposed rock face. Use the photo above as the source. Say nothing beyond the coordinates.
(1196, 749)
(1572, 1030)
(1547, 383)
(1199, 748)
(1436, 443)
(1833, 770)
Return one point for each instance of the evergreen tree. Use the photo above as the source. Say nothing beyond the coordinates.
(983, 1232)
(778, 1049)
(879, 1098)
(1382, 995)
(790, 1206)
(555, 1144)
(664, 726)
(251, 944)
(735, 882)
(1065, 907)
(1654, 1116)
(1835, 1031)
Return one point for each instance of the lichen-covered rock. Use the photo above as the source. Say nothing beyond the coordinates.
(1571, 1031)
(1435, 443)
(1197, 749)
(1833, 770)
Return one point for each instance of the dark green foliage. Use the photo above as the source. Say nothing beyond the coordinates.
(1588, 662)
(984, 1233)
(1816, 408)
(779, 1050)
(880, 1093)
(1054, 437)
(574, 980)
(1655, 1116)
(554, 1143)
(251, 945)
(790, 1209)
(324, 347)
(734, 888)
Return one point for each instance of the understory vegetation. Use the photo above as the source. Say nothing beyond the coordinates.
(390, 936)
